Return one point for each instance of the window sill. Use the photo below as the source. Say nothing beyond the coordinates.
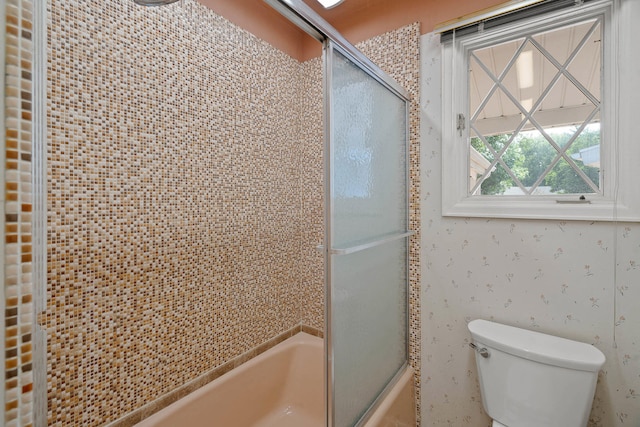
(599, 209)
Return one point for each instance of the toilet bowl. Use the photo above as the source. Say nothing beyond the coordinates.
(530, 379)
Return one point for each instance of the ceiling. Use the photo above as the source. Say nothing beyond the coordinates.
(347, 7)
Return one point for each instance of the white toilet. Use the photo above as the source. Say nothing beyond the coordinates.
(529, 379)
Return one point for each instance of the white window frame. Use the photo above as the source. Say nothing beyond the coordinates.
(620, 183)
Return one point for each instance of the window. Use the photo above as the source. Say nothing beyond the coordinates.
(534, 106)
(529, 127)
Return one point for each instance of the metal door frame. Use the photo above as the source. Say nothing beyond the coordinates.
(309, 21)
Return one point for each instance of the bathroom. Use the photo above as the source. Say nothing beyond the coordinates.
(574, 278)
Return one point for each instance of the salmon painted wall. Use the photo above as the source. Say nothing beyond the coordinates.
(263, 21)
(357, 20)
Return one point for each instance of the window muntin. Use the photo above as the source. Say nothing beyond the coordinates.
(534, 113)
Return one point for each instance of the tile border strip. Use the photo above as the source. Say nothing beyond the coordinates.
(16, 116)
(39, 218)
(3, 152)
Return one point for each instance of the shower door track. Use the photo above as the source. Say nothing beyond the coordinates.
(309, 21)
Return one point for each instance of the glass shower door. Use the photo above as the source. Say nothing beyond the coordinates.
(366, 236)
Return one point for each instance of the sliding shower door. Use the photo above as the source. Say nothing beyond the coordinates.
(366, 236)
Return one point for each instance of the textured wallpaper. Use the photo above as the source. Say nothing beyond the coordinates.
(578, 280)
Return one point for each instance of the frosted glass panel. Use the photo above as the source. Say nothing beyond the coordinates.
(367, 267)
(369, 322)
(368, 158)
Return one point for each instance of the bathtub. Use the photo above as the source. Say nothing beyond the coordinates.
(282, 387)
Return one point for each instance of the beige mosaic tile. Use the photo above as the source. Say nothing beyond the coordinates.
(100, 291)
(312, 185)
(174, 226)
(171, 125)
(17, 117)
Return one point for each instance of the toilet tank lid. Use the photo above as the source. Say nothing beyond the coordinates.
(537, 346)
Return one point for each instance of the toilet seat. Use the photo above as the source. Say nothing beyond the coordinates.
(497, 424)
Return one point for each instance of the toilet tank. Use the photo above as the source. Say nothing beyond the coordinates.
(530, 379)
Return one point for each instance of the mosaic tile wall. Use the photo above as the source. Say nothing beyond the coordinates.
(18, 387)
(398, 54)
(174, 201)
(312, 220)
(171, 125)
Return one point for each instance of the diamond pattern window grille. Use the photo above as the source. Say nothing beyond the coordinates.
(534, 113)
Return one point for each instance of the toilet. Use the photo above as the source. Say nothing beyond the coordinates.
(530, 379)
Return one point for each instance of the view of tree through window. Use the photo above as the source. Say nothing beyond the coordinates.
(534, 113)
(531, 155)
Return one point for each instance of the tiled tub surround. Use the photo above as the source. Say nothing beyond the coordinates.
(310, 150)
(184, 177)
(579, 280)
(175, 217)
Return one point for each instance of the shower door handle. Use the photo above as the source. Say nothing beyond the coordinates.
(367, 245)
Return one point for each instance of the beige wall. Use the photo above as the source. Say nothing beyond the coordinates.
(185, 199)
(165, 126)
(447, 301)
(175, 215)
(311, 146)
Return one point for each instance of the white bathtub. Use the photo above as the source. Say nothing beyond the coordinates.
(282, 387)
